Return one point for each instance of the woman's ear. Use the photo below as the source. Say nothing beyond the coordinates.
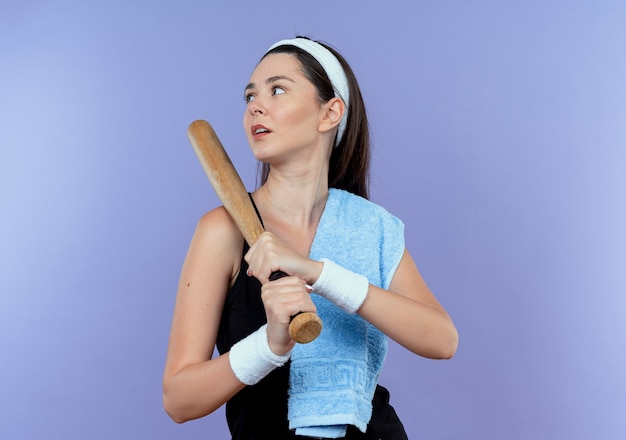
(332, 112)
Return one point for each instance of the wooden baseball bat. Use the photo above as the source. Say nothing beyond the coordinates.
(304, 326)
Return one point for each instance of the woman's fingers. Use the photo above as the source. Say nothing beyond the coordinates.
(283, 299)
(287, 296)
(269, 255)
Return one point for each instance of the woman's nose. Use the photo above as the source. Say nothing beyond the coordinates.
(256, 107)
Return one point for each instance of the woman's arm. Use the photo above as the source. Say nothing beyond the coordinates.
(194, 384)
(410, 314)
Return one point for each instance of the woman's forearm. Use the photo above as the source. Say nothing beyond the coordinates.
(199, 389)
(420, 328)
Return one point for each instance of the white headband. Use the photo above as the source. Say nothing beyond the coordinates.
(333, 69)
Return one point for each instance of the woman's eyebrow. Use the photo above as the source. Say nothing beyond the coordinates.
(270, 80)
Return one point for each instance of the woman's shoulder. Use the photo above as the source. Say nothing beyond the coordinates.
(218, 222)
(217, 217)
(218, 234)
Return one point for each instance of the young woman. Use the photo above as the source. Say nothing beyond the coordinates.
(305, 121)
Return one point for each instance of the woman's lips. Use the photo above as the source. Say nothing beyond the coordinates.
(258, 131)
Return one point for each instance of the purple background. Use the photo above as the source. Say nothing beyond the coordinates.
(500, 140)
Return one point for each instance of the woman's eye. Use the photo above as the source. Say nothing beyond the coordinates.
(249, 97)
(278, 90)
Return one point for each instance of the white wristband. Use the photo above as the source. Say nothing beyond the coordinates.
(252, 358)
(341, 286)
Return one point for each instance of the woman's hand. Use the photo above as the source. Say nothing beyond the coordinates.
(269, 255)
(283, 299)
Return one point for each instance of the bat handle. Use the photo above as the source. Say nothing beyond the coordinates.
(304, 326)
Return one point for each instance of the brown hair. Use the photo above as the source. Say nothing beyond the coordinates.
(350, 159)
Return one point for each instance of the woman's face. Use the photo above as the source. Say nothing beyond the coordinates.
(283, 112)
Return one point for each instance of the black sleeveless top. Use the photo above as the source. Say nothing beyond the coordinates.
(259, 412)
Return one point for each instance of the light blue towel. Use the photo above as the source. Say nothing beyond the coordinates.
(333, 379)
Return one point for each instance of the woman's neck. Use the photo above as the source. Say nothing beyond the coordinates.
(292, 199)
(297, 200)
(292, 210)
